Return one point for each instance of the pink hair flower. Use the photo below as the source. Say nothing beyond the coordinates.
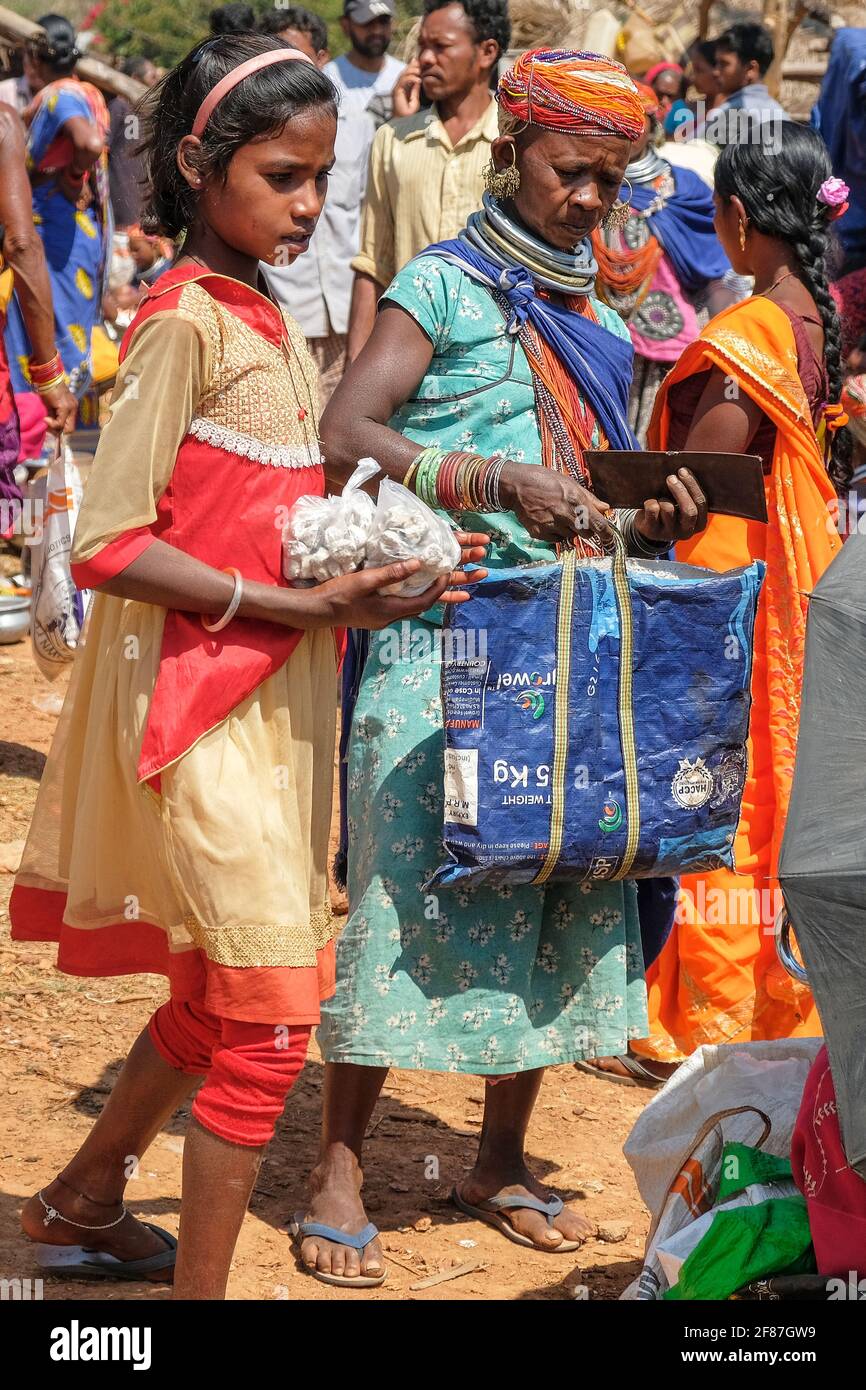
(833, 192)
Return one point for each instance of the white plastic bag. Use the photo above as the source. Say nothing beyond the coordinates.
(58, 608)
(325, 537)
(744, 1092)
(328, 536)
(405, 528)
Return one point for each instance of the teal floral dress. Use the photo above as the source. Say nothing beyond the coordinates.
(482, 980)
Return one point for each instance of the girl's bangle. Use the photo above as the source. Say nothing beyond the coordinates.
(234, 604)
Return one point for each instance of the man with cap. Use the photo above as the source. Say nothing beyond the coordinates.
(316, 288)
(426, 166)
(367, 70)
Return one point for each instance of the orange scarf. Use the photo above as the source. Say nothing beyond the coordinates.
(575, 414)
(753, 344)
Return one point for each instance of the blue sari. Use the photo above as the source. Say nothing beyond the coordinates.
(76, 241)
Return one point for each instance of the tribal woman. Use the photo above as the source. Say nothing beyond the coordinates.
(717, 979)
(23, 269)
(68, 165)
(491, 369)
(661, 266)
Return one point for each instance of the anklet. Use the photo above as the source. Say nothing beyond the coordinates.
(92, 1200)
(52, 1214)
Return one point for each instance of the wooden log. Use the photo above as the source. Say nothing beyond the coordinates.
(13, 26)
(814, 71)
(776, 20)
(18, 31)
(109, 79)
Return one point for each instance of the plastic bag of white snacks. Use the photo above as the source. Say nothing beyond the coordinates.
(325, 537)
(405, 528)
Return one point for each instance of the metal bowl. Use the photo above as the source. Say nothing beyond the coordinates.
(14, 618)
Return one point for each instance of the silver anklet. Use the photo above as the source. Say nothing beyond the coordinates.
(52, 1214)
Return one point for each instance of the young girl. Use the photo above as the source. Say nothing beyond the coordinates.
(151, 255)
(182, 824)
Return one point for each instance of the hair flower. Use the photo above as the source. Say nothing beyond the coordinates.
(833, 193)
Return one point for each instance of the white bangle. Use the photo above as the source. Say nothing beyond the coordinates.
(234, 605)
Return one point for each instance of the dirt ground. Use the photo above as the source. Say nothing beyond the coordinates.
(62, 1042)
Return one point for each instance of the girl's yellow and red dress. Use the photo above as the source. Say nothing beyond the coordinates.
(183, 818)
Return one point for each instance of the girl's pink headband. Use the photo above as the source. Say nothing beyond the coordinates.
(231, 79)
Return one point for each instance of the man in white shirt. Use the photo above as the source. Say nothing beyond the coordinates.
(367, 70)
(317, 287)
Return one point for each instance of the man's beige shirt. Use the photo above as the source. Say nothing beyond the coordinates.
(420, 188)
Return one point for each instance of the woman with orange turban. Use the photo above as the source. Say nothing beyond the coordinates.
(662, 267)
(491, 369)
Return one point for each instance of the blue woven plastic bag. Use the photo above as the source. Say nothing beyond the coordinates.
(596, 715)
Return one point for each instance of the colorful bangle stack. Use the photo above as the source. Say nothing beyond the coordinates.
(426, 468)
(456, 481)
(44, 376)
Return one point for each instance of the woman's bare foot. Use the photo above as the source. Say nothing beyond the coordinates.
(128, 1240)
(335, 1200)
(481, 1184)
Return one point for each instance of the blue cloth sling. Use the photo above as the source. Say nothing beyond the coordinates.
(598, 361)
(684, 227)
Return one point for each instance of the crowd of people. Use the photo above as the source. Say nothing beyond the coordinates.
(474, 267)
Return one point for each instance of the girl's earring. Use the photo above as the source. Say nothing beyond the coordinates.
(502, 183)
(742, 236)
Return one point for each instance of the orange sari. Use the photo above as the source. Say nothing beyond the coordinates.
(718, 978)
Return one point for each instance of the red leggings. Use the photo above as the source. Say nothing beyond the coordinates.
(249, 1068)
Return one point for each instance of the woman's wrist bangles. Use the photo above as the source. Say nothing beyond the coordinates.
(638, 545)
(234, 604)
(456, 482)
(44, 376)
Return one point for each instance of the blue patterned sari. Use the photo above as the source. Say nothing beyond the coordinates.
(75, 239)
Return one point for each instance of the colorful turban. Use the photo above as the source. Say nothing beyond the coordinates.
(575, 93)
(649, 98)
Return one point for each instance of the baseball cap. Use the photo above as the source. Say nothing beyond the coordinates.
(363, 11)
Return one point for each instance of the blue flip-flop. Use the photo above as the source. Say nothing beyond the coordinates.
(77, 1262)
(299, 1229)
(489, 1212)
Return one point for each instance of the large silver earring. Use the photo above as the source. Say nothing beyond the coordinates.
(619, 214)
(502, 183)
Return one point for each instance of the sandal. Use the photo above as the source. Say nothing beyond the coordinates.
(299, 1229)
(77, 1262)
(490, 1211)
(639, 1075)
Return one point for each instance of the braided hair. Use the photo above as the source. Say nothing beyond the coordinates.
(777, 182)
